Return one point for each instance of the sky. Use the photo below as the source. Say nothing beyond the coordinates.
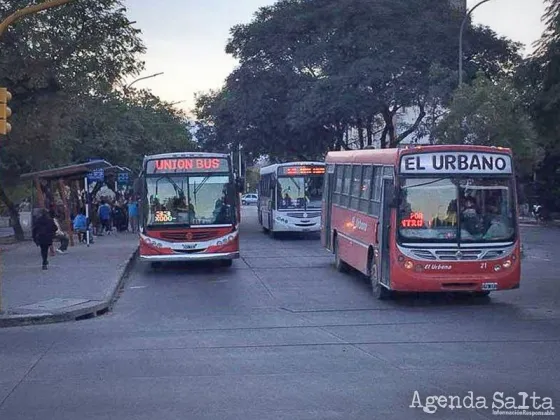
(186, 39)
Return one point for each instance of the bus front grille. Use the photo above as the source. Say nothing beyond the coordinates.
(304, 215)
(194, 235)
(456, 254)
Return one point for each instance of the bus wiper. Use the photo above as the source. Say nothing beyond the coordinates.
(197, 188)
(422, 185)
(175, 186)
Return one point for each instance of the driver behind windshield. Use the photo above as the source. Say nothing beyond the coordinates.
(469, 216)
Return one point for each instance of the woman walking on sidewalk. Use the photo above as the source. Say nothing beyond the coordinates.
(44, 230)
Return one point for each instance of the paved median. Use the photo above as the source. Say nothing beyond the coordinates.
(80, 284)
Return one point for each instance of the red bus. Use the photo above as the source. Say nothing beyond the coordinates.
(425, 218)
(189, 208)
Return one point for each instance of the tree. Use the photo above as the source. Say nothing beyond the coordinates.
(541, 76)
(492, 113)
(62, 67)
(311, 70)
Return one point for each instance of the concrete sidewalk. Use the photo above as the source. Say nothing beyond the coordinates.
(79, 284)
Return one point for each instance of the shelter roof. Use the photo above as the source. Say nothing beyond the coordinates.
(72, 171)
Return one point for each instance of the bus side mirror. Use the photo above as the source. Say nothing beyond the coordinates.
(394, 202)
(240, 185)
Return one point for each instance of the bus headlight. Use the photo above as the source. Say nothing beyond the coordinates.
(497, 267)
(219, 243)
(230, 238)
(507, 264)
(408, 265)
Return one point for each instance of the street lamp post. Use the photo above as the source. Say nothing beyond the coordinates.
(466, 18)
(127, 87)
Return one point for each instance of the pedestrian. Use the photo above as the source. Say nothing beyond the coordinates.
(44, 230)
(133, 214)
(105, 216)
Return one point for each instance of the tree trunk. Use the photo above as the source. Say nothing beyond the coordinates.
(383, 140)
(369, 131)
(14, 214)
(389, 129)
(360, 125)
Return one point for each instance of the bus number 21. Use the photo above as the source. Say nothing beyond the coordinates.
(483, 265)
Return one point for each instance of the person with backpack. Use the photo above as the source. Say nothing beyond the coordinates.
(43, 233)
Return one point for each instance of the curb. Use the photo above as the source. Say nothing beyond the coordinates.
(86, 310)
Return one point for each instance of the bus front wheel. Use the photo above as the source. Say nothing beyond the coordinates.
(227, 263)
(379, 291)
(340, 265)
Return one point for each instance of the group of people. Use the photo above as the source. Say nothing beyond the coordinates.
(106, 216)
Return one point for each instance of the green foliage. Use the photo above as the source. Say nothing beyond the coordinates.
(541, 78)
(491, 113)
(62, 66)
(311, 70)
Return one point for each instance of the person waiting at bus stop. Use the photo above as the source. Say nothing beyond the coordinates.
(60, 234)
(105, 217)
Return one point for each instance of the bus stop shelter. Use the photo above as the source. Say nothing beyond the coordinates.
(67, 181)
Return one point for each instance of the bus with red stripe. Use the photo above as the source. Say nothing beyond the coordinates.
(189, 208)
(424, 218)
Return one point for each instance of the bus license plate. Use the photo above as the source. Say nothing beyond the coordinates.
(489, 286)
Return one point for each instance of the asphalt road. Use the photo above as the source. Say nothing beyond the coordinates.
(282, 335)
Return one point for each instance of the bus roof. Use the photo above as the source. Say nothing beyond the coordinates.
(391, 156)
(178, 155)
(270, 169)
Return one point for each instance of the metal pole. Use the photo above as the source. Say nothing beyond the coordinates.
(87, 209)
(239, 160)
(30, 10)
(465, 19)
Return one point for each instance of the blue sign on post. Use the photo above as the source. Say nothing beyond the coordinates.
(96, 175)
(122, 178)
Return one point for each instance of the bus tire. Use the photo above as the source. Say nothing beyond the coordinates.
(340, 265)
(227, 263)
(379, 291)
(481, 294)
(156, 264)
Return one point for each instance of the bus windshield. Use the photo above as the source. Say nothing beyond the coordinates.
(190, 200)
(300, 192)
(456, 210)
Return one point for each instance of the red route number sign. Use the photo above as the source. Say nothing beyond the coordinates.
(415, 219)
(188, 165)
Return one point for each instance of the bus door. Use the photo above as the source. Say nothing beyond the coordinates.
(385, 224)
(327, 207)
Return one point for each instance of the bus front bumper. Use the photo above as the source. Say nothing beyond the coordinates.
(191, 257)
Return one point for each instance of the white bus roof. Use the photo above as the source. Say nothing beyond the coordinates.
(271, 169)
(178, 155)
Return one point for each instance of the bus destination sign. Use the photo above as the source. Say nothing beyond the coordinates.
(180, 165)
(456, 163)
(301, 170)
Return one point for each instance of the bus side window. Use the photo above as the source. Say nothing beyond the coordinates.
(347, 179)
(338, 184)
(375, 202)
(365, 193)
(355, 187)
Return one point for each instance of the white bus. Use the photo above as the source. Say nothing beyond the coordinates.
(290, 197)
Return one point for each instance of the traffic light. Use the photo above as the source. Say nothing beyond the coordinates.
(5, 111)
